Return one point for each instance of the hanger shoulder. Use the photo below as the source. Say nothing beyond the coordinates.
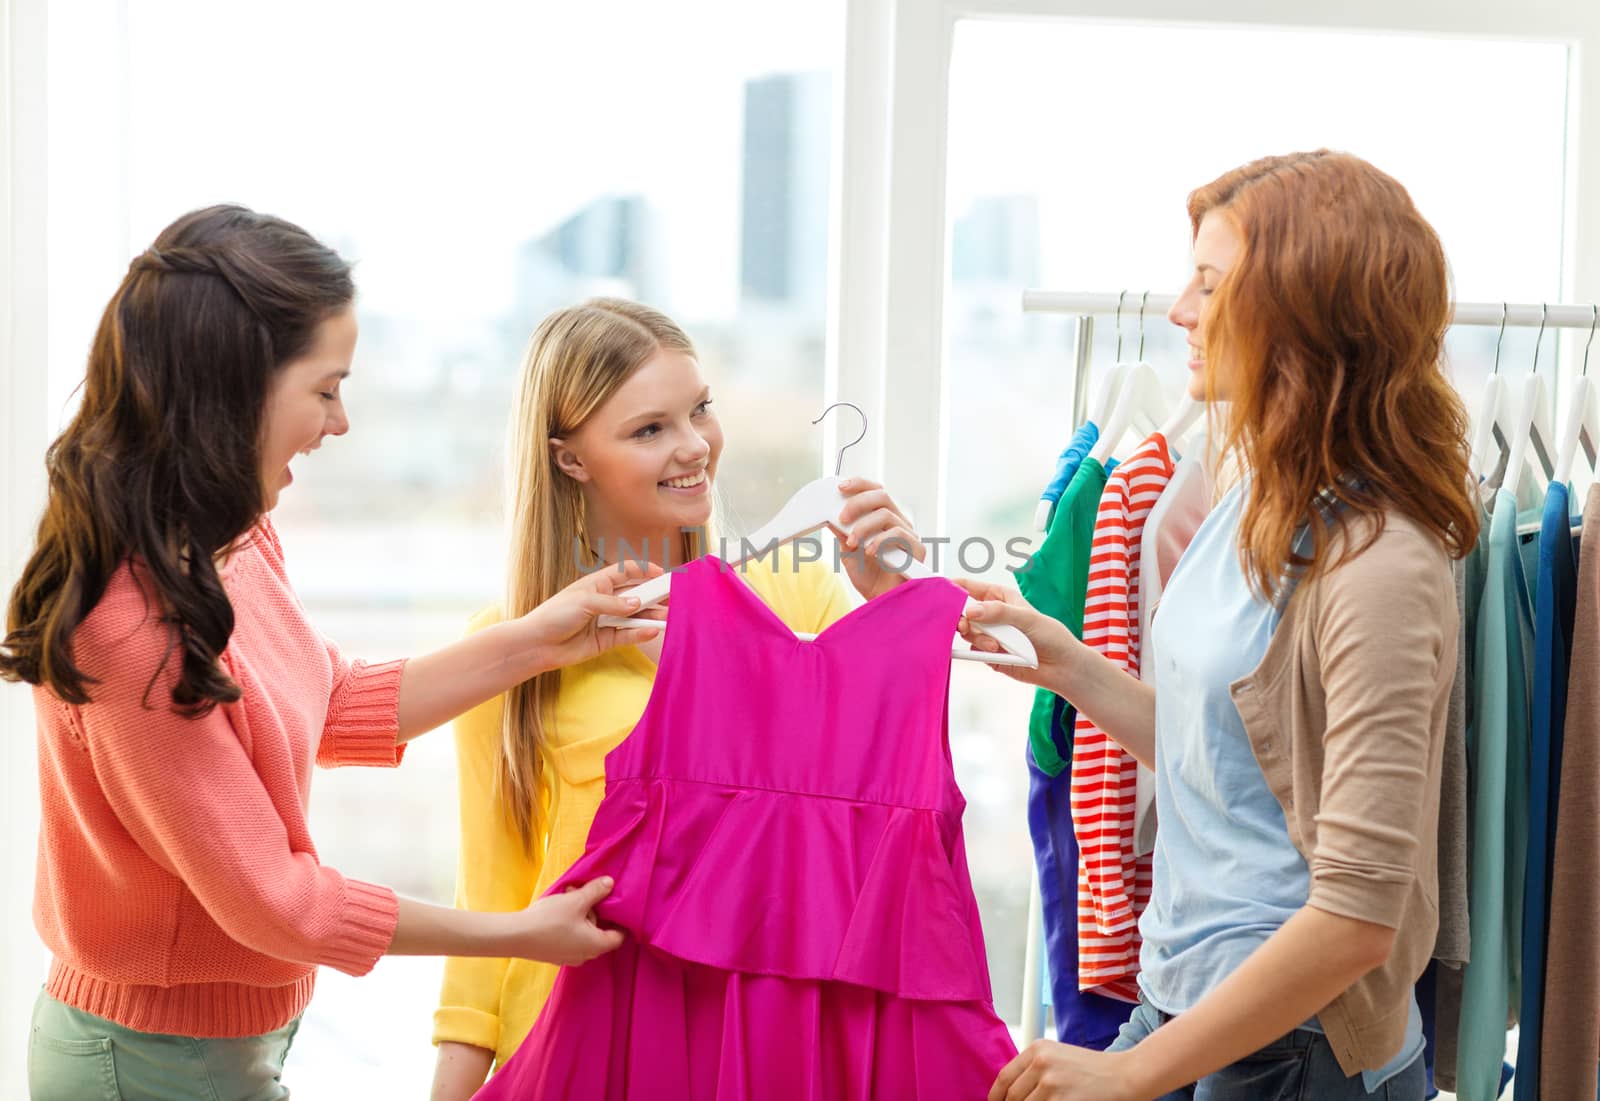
(1490, 403)
(1531, 427)
(1583, 419)
(1140, 402)
(815, 505)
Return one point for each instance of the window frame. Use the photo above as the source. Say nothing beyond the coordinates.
(888, 331)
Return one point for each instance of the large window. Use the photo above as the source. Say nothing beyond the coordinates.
(483, 166)
(1050, 186)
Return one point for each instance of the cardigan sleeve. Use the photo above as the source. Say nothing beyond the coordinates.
(1385, 638)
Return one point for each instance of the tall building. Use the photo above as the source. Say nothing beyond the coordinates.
(609, 246)
(784, 219)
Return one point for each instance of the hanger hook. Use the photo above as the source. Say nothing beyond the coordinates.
(1120, 297)
(1594, 317)
(838, 462)
(1495, 370)
(1142, 303)
(1544, 312)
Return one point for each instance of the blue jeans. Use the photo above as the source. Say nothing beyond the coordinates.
(76, 1056)
(1297, 1067)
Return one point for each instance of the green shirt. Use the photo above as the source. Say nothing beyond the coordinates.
(1057, 584)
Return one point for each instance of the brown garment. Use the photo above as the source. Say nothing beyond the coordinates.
(1570, 1049)
(1346, 717)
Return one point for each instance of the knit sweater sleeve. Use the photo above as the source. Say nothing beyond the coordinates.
(363, 714)
(189, 794)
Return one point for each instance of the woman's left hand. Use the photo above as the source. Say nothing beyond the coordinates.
(1048, 1071)
(877, 537)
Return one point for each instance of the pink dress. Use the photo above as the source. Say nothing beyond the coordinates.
(784, 829)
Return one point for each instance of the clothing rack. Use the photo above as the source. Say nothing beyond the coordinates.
(1086, 306)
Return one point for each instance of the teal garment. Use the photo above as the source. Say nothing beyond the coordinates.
(77, 1056)
(1056, 583)
(1497, 759)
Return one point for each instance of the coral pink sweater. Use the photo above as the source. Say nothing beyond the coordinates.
(178, 887)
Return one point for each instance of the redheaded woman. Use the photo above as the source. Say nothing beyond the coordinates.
(1306, 645)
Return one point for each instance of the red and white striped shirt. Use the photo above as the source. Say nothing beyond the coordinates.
(1113, 882)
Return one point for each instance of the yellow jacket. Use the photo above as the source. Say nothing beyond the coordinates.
(492, 1003)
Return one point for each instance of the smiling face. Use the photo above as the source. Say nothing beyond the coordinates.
(304, 404)
(1216, 249)
(646, 459)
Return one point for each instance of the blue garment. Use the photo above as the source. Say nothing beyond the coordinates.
(1497, 754)
(1084, 1018)
(1067, 463)
(1299, 1066)
(1225, 875)
(1555, 603)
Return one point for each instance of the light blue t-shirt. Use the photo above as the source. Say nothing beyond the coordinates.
(1225, 875)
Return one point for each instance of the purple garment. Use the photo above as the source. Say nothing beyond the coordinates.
(1082, 1017)
(784, 829)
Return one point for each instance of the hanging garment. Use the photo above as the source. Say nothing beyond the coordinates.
(1498, 759)
(1450, 981)
(492, 1003)
(1453, 944)
(1570, 1045)
(1554, 599)
(1168, 530)
(1113, 881)
(1055, 583)
(784, 830)
(1067, 463)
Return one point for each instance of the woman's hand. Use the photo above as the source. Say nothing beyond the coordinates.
(437, 687)
(877, 536)
(1060, 654)
(564, 630)
(1048, 1071)
(562, 928)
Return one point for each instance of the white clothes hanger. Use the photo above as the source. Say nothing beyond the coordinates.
(1140, 404)
(1185, 415)
(815, 506)
(1105, 398)
(1532, 426)
(1583, 418)
(1494, 407)
(1100, 406)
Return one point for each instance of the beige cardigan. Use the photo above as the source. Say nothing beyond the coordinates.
(1346, 716)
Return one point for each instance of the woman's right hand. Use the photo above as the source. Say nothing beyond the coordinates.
(562, 929)
(565, 629)
(1060, 653)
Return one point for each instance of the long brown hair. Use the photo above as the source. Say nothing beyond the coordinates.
(577, 358)
(161, 464)
(1331, 325)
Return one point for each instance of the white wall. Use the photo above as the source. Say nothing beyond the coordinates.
(23, 428)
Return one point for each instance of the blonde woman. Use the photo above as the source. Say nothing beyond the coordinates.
(614, 453)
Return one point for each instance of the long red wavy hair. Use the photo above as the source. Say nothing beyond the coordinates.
(1331, 325)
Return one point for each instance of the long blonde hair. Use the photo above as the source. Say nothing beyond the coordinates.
(577, 358)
